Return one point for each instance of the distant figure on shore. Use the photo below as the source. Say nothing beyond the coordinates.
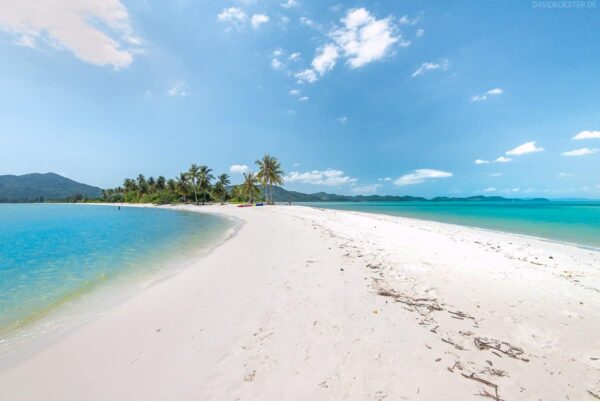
(119, 207)
(289, 201)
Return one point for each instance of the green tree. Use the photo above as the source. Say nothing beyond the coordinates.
(269, 174)
(193, 174)
(161, 183)
(183, 186)
(221, 187)
(249, 188)
(142, 184)
(204, 179)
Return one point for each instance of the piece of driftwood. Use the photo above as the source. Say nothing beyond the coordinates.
(495, 396)
(483, 343)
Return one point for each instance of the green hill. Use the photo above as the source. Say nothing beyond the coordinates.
(43, 187)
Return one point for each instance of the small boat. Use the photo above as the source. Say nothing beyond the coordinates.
(246, 205)
(259, 204)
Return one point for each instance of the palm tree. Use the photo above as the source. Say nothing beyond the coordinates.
(204, 179)
(130, 185)
(142, 184)
(193, 175)
(249, 187)
(270, 173)
(182, 186)
(221, 187)
(172, 185)
(161, 183)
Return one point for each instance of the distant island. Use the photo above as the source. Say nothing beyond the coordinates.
(51, 187)
(43, 188)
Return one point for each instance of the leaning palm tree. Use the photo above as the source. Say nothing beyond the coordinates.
(249, 187)
(183, 186)
(193, 174)
(204, 179)
(270, 173)
(221, 187)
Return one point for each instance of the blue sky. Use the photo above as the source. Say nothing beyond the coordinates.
(355, 97)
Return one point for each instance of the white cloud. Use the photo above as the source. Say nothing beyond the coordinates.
(490, 189)
(295, 56)
(238, 168)
(98, 32)
(385, 179)
(420, 32)
(524, 149)
(495, 174)
(307, 75)
(365, 189)
(421, 175)
(502, 159)
(342, 120)
(581, 152)
(303, 99)
(320, 177)
(587, 135)
(233, 16)
(295, 92)
(325, 60)
(178, 89)
(481, 161)
(277, 52)
(258, 20)
(308, 22)
(406, 20)
(564, 175)
(441, 64)
(289, 4)
(276, 64)
(484, 96)
(363, 38)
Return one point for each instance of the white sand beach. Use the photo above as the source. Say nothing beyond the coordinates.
(311, 304)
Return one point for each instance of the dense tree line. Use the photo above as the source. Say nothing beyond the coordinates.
(198, 185)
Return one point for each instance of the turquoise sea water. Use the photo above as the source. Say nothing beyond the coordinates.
(572, 222)
(51, 255)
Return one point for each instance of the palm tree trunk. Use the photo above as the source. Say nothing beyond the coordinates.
(195, 196)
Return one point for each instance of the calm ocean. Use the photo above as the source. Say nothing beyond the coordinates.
(572, 222)
(54, 255)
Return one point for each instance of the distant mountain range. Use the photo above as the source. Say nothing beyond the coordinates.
(53, 187)
(282, 195)
(43, 187)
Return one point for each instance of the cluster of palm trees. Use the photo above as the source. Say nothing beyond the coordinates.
(197, 184)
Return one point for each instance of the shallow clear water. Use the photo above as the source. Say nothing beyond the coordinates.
(51, 255)
(572, 222)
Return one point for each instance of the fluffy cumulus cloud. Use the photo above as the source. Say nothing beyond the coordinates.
(328, 177)
(325, 59)
(490, 189)
(238, 168)
(420, 176)
(306, 76)
(529, 147)
(587, 135)
(258, 20)
(442, 64)
(98, 32)
(361, 39)
(486, 95)
(481, 161)
(234, 16)
(581, 152)
(502, 159)
(364, 39)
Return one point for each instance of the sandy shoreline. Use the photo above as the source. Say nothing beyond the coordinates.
(313, 304)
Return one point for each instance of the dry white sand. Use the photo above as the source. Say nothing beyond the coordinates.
(309, 304)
